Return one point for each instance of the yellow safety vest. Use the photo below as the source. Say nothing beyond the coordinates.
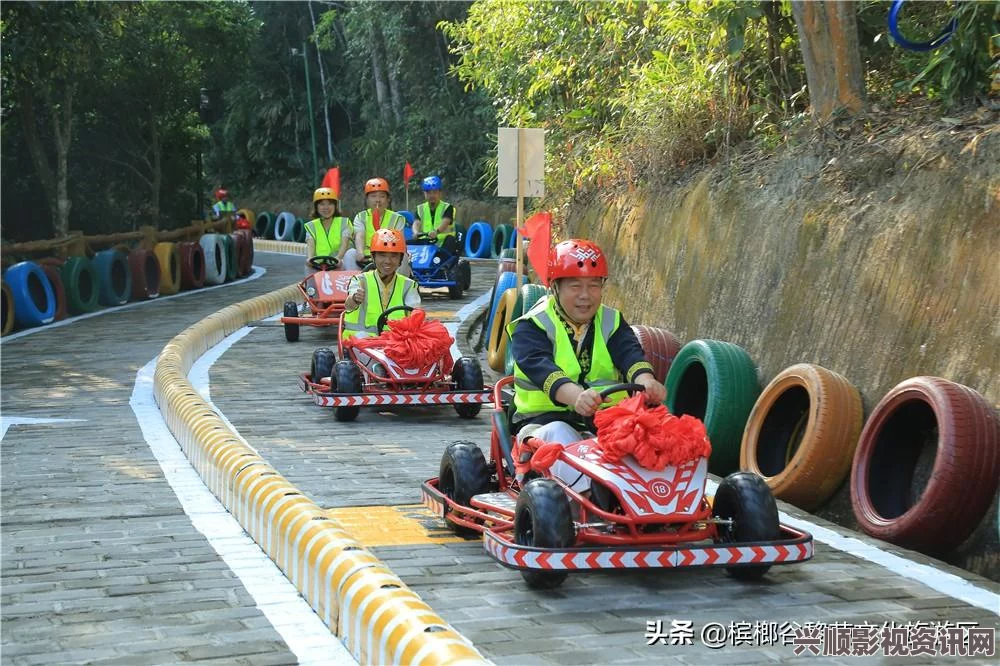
(374, 304)
(390, 220)
(428, 221)
(327, 243)
(531, 400)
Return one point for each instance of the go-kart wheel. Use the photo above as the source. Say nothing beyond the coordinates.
(384, 317)
(468, 376)
(744, 498)
(542, 519)
(347, 379)
(322, 366)
(463, 474)
(291, 330)
(455, 290)
(465, 274)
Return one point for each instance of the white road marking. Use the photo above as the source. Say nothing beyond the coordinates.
(8, 421)
(258, 271)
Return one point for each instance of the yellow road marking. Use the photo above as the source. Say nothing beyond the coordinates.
(408, 524)
(441, 314)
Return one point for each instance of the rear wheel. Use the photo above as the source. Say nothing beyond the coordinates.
(744, 498)
(462, 476)
(468, 376)
(542, 519)
(291, 330)
(347, 379)
(455, 291)
(322, 364)
(465, 274)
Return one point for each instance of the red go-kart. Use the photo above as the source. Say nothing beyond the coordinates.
(633, 518)
(324, 291)
(371, 377)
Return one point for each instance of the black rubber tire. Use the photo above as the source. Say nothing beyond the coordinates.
(745, 498)
(291, 330)
(468, 376)
(465, 274)
(348, 379)
(323, 361)
(542, 518)
(463, 474)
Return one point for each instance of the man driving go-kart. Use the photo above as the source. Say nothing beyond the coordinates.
(373, 292)
(566, 349)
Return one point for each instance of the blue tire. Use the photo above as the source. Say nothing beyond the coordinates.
(504, 282)
(478, 240)
(501, 239)
(407, 232)
(114, 277)
(410, 217)
(512, 241)
(34, 298)
(284, 227)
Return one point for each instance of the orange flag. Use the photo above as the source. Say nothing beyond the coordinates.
(538, 229)
(332, 180)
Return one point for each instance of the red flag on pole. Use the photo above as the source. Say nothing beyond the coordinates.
(407, 174)
(332, 180)
(538, 229)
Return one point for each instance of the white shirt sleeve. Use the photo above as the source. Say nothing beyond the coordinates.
(412, 299)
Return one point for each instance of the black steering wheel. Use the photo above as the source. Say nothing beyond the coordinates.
(324, 262)
(615, 388)
(423, 236)
(384, 317)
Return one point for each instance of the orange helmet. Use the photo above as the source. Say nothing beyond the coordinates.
(325, 193)
(577, 258)
(221, 194)
(377, 185)
(388, 240)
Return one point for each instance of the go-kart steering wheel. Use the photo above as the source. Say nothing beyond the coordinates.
(324, 262)
(615, 388)
(384, 317)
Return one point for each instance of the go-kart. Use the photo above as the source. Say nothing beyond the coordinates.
(633, 517)
(325, 293)
(372, 378)
(433, 266)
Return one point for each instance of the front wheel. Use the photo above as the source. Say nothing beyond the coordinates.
(322, 365)
(463, 475)
(468, 376)
(291, 330)
(542, 518)
(465, 274)
(347, 379)
(744, 498)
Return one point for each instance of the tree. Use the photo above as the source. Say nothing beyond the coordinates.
(828, 34)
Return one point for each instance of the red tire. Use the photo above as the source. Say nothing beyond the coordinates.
(192, 265)
(244, 252)
(510, 265)
(660, 347)
(52, 272)
(145, 269)
(905, 493)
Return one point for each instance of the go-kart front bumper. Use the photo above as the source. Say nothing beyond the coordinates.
(416, 397)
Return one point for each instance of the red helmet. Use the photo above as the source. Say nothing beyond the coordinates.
(242, 222)
(377, 185)
(221, 194)
(577, 258)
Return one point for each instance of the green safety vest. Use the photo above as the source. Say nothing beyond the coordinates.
(225, 206)
(390, 220)
(370, 310)
(424, 213)
(531, 400)
(327, 243)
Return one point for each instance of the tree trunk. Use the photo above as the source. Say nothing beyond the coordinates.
(394, 94)
(322, 86)
(378, 73)
(62, 123)
(828, 33)
(26, 106)
(157, 175)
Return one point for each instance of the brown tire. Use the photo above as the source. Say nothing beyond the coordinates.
(52, 272)
(927, 465)
(510, 265)
(802, 433)
(192, 265)
(660, 347)
(496, 347)
(145, 274)
(170, 268)
(8, 310)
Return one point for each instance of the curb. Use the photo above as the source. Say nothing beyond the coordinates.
(378, 618)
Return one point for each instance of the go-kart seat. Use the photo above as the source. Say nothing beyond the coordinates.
(502, 424)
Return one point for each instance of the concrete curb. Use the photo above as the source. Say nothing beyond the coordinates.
(379, 619)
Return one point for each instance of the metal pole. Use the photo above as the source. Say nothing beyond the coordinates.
(312, 118)
(519, 252)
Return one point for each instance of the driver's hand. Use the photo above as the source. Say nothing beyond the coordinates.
(587, 403)
(656, 392)
(432, 234)
(359, 295)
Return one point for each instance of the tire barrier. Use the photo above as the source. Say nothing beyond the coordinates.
(379, 618)
(145, 269)
(242, 246)
(249, 214)
(660, 347)
(55, 279)
(299, 231)
(409, 216)
(232, 258)
(81, 283)
(512, 241)
(250, 245)
(504, 282)
(717, 383)
(34, 300)
(263, 226)
(170, 267)
(935, 433)
(508, 309)
(192, 263)
(505, 265)
(114, 279)
(530, 295)
(508, 253)
(8, 309)
(284, 227)
(478, 240)
(214, 252)
(802, 433)
(501, 239)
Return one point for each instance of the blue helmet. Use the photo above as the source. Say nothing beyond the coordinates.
(431, 183)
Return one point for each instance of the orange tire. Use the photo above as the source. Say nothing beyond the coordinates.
(8, 309)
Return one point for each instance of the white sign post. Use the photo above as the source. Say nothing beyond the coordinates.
(520, 173)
